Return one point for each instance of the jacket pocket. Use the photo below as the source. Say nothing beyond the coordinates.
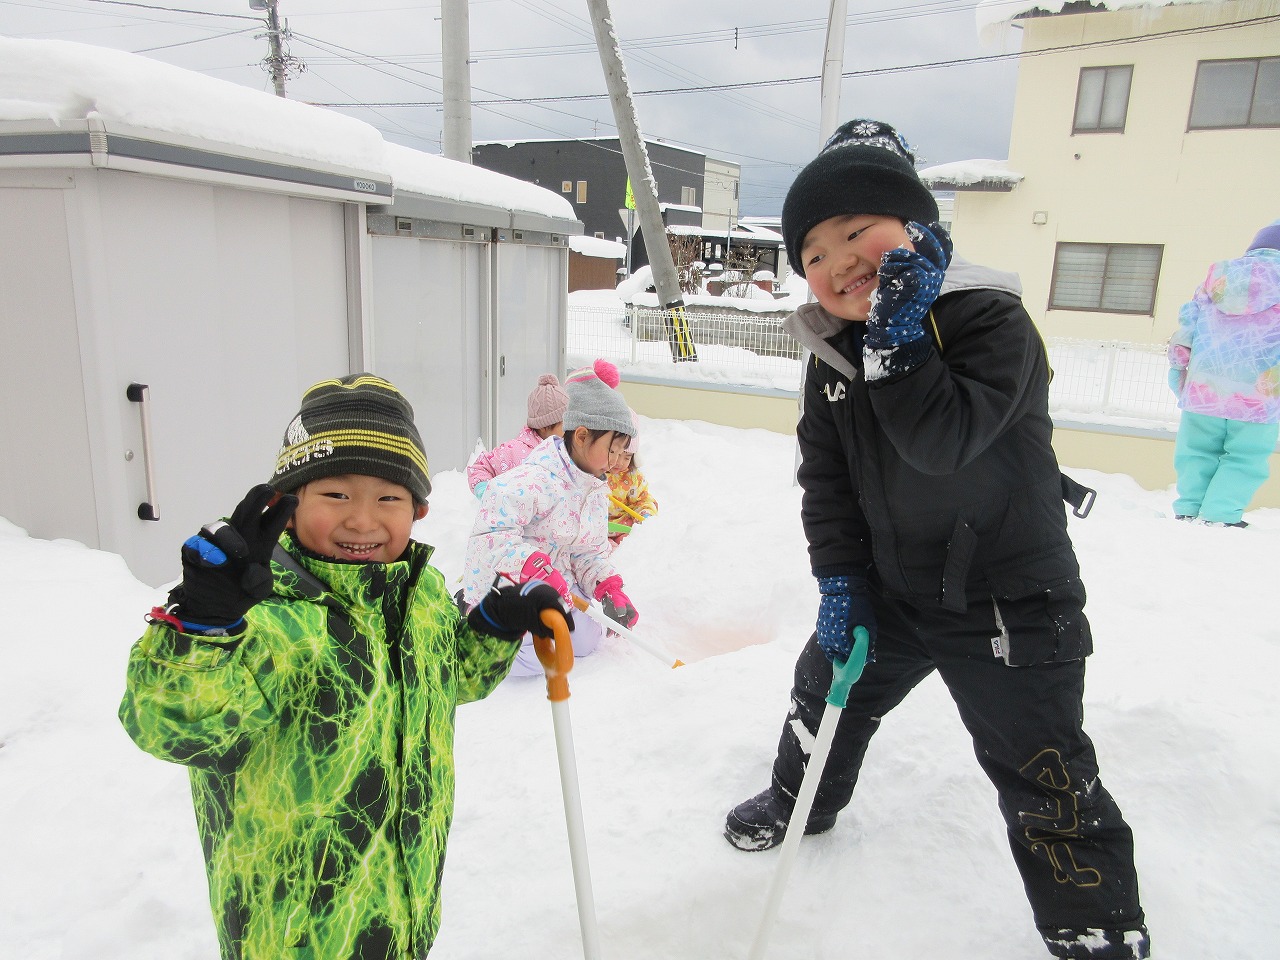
(1047, 626)
(305, 866)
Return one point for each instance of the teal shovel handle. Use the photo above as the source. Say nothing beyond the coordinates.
(845, 673)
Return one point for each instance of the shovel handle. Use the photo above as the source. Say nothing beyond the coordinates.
(555, 654)
(845, 673)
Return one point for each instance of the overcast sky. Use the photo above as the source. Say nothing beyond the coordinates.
(388, 52)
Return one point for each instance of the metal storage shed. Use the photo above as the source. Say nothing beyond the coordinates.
(181, 257)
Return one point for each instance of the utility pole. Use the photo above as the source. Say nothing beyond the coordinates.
(277, 62)
(832, 69)
(645, 188)
(455, 48)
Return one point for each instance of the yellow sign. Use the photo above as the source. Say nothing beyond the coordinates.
(630, 202)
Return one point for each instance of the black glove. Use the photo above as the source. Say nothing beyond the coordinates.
(510, 612)
(226, 567)
(909, 281)
(845, 604)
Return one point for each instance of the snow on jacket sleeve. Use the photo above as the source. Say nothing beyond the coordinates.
(946, 412)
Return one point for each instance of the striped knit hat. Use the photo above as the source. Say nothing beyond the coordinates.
(358, 424)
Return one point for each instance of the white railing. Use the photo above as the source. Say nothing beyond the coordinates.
(1091, 378)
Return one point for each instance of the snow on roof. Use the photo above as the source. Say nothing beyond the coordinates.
(994, 16)
(598, 247)
(56, 80)
(435, 176)
(971, 175)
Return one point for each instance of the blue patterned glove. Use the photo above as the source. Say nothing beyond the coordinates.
(909, 282)
(845, 604)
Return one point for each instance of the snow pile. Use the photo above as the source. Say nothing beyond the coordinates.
(99, 844)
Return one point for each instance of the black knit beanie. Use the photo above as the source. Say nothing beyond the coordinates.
(866, 167)
(357, 424)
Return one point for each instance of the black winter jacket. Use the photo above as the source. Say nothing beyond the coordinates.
(940, 484)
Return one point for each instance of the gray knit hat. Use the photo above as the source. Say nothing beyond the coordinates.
(594, 400)
(357, 424)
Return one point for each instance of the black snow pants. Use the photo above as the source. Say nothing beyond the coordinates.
(1069, 839)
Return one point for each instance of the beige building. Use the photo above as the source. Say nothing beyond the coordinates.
(720, 194)
(1145, 145)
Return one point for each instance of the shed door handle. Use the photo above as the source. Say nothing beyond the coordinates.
(139, 393)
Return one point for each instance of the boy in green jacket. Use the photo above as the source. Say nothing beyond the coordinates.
(306, 670)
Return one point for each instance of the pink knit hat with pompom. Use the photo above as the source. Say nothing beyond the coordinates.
(594, 400)
(547, 402)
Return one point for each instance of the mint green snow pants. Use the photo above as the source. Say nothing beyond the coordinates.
(1221, 464)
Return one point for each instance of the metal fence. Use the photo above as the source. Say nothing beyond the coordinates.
(1091, 378)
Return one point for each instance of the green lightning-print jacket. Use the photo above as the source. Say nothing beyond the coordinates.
(320, 748)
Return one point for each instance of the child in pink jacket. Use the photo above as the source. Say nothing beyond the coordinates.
(547, 404)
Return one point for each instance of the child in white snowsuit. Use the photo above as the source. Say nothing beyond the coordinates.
(1224, 365)
(932, 503)
(547, 403)
(547, 519)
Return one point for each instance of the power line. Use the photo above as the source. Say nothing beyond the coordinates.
(198, 13)
(871, 72)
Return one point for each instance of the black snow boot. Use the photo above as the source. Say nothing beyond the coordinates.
(761, 822)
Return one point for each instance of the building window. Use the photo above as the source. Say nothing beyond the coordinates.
(566, 186)
(689, 196)
(1102, 99)
(582, 191)
(1236, 93)
(1106, 277)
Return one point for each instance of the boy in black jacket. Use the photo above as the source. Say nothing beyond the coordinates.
(933, 510)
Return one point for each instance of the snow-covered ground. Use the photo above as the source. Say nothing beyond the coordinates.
(98, 842)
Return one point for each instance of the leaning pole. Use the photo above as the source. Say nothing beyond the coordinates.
(644, 186)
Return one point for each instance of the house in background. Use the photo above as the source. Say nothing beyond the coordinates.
(693, 190)
(1144, 147)
(594, 263)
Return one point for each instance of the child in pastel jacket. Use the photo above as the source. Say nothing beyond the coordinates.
(308, 679)
(1224, 365)
(547, 402)
(547, 519)
(629, 495)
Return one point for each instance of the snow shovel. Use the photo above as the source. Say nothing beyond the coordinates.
(625, 509)
(845, 674)
(596, 612)
(556, 656)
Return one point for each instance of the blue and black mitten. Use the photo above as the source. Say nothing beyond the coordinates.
(226, 567)
(909, 282)
(845, 604)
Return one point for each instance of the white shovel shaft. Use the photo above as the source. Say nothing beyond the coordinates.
(596, 613)
(795, 829)
(577, 835)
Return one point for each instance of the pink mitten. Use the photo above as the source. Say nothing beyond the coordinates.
(617, 605)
